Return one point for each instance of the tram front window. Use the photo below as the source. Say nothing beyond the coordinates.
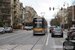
(38, 25)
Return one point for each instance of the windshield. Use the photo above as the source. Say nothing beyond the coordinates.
(1, 28)
(7, 27)
(57, 30)
(72, 37)
(38, 25)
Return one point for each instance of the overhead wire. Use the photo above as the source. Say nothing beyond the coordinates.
(38, 5)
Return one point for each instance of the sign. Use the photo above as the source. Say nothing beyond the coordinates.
(60, 23)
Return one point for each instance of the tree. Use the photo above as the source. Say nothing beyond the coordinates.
(56, 21)
(28, 24)
(1, 23)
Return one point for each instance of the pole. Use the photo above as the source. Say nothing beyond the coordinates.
(72, 13)
(12, 17)
(64, 16)
(68, 15)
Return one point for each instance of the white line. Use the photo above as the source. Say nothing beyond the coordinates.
(54, 44)
(47, 39)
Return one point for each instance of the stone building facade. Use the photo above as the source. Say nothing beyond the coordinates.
(30, 13)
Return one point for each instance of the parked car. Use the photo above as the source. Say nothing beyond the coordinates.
(69, 43)
(27, 28)
(8, 29)
(2, 30)
(57, 32)
(72, 30)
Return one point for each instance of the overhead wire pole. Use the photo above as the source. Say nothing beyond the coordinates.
(64, 16)
(72, 12)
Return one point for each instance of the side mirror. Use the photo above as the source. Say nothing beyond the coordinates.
(66, 39)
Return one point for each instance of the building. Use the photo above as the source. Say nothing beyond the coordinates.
(68, 17)
(10, 12)
(5, 12)
(22, 13)
(29, 14)
(16, 13)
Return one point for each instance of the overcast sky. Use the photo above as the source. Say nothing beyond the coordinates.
(43, 6)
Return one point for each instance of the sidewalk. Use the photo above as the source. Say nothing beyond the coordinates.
(16, 29)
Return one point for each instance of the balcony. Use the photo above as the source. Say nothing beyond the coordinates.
(5, 8)
(5, 14)
(15, 4)
(15, 17)
(5, 1)
(7, 20)
(15, 9)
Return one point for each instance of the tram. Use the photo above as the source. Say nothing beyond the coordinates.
(39, 25)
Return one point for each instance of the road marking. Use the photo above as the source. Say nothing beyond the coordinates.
(7, 47)
(62, 41)
(3, 49)
(65, 36)
(38, 47)
(57, 46)
(23, 47)
(54, 44)
(13, 47)
(47, 39)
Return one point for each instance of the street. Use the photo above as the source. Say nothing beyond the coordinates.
(24, 40)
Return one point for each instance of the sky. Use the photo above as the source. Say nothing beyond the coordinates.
(42, 6)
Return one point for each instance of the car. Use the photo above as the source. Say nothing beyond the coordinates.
(51, 28)
(31, 27)
(27, 28)
(57, 32)
(8, 29)
(2, 31)
(69, 43)
(72, 30)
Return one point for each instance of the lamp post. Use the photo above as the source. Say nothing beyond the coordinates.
(68, 12)
(73, 11)
(68, 15)
(64, 16)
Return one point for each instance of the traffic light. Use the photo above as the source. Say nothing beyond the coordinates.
(61, 8)
(50, 8)
(53, 8)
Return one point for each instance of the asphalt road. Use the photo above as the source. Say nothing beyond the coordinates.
(24, 40)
